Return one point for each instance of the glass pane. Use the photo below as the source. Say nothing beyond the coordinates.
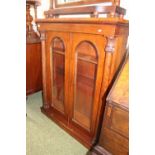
(58, 45)
(85, 84)
(87, 50)
(58, 76)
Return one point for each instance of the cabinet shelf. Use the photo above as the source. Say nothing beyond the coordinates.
(59, 51)
(87, 58)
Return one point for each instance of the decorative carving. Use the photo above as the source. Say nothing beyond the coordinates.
(42, 36)
(31, 35)
(110, 47)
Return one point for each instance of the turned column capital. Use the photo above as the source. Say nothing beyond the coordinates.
(42, 35)
(111, 42)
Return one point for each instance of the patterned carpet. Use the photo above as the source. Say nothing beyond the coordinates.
(44, 137)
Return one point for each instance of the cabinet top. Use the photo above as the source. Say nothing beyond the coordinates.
(120, 91)
(110, 20)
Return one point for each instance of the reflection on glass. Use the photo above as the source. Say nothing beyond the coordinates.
(85, 83)
(58, 74)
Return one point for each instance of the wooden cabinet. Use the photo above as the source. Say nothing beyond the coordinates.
(114, 136)
(33, 52)
(33, 68)
(79, 59)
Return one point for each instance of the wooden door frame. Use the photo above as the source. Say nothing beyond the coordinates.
(64, 37)
(96, 42)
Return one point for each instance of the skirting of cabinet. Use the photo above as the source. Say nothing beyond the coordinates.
(73, 130)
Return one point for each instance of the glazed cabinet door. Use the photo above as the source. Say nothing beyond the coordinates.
(86, 71)
(57, 46)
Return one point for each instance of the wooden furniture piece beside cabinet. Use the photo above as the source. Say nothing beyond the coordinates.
(33, 53)
(80, 57)
(114, 136)
(33, 68)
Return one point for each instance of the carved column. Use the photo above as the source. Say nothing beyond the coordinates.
(110, 48)
(43, 51)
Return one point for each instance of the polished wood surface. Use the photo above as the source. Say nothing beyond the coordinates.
(34, 2)
(80, 57)
(113, 10)
(114, 137)
(33, 68)
(120, 92)
(33, 53)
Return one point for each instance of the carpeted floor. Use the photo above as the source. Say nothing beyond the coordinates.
(44, 137)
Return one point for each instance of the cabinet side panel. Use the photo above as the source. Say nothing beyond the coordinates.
(33, 68)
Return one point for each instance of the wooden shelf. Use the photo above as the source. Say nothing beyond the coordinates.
(59, 52)
(87, 58)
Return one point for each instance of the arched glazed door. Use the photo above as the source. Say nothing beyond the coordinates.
(58, 73)
(87, 68)
(58, 62)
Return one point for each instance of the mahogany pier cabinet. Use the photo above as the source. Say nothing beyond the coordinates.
(80, 57)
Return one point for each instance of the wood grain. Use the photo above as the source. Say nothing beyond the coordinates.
(111, 10)
(33, 68)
